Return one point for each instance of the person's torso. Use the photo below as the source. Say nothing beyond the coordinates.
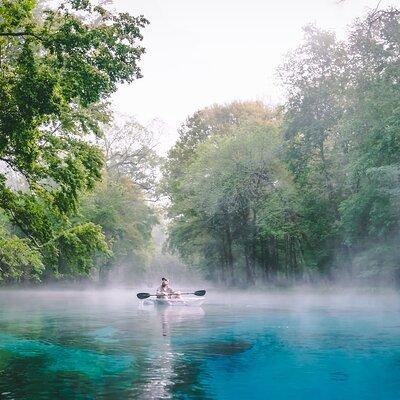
(165, 289)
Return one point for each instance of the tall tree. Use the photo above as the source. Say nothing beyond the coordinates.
(57, 66)
(371, 211)
(120, 208)
(233, 202)
(341, 130)
(129, 149)
(120, 204)
(315, 76)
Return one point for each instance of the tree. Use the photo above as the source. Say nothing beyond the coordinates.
(254, 196)
(118, 206)
(371, 213)
(315, 76)
(57, 66)
(342, 134)
(18, 261)
(233, 203)
(129, 152)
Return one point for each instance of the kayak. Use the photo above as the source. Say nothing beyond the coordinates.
(187, 302)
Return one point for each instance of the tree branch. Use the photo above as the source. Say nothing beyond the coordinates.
(20, 34)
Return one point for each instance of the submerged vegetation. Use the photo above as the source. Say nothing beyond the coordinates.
(298, 192)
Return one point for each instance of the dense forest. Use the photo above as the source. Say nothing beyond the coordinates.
(306, 191)
(251, 193)
(72, 190)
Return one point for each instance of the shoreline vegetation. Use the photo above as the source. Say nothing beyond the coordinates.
(304, 193)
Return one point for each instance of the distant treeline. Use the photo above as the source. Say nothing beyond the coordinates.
(301, 192)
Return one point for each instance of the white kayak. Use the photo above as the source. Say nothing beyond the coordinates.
(187, 302)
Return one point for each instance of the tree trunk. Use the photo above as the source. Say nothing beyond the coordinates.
(249, 271)
(230, 255)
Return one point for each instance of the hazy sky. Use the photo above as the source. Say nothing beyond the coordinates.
(200, 52)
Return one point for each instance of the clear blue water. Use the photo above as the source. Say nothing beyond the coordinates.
(103, 345)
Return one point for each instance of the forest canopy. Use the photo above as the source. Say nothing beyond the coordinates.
(303, 192)
(251, 193)
(58, 66)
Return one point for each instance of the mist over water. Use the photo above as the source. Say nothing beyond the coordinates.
(254, 196)
(106, 344)
(292, 298)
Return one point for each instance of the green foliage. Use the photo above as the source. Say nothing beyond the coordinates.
(18, 261)
(344, 149)
(129, 151)
(119, 207)
(254, 196)
(57, 67)
(233, 203)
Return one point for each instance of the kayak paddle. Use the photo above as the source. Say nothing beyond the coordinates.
(143, 296)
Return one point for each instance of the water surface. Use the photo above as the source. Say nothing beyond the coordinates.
(104, 345)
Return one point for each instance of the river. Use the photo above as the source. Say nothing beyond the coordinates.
(105, 345)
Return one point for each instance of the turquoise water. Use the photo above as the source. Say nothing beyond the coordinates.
(104, 345)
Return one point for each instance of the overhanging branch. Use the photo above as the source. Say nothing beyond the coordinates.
(17, 34)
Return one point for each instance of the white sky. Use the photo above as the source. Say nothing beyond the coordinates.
(200, 52)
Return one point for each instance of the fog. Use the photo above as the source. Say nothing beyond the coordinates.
(255, 166)
(297, 299)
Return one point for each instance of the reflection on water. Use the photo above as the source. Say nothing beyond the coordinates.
(173, 316)
(105, 345)
(164, 368)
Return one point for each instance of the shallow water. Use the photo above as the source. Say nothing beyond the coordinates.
(104, 345)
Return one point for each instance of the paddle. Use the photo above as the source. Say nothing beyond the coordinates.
(142, 296)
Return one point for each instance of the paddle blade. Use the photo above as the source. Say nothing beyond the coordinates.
(142, 296)
(200, 292)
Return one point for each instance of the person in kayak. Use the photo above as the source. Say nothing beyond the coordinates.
(165, 291)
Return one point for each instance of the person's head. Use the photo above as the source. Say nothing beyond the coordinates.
(164, 282)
